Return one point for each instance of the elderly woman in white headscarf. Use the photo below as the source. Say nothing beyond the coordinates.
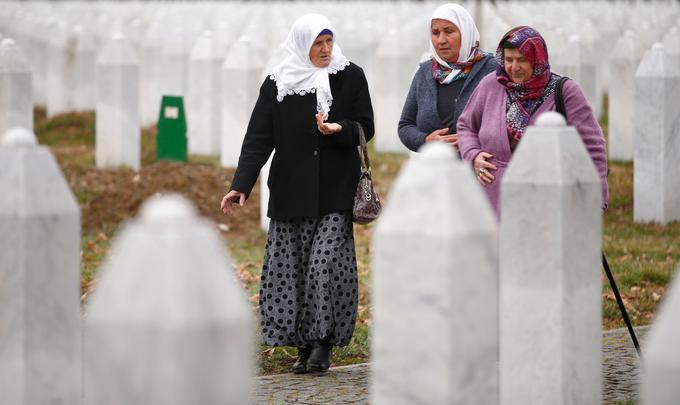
(308, 113)
(442, 84)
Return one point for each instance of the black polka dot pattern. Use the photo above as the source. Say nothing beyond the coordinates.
(309, 281)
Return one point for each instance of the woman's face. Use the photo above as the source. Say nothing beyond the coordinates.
(518, 67)
(445, 39)
(321, 50)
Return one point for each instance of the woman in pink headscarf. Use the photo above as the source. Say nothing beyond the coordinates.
(506, 102)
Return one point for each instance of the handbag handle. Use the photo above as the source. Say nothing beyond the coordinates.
(559, 100)
(363, 151)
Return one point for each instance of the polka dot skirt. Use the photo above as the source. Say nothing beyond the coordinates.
(309, 281)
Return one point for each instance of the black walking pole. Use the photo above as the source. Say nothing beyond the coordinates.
(619, 301)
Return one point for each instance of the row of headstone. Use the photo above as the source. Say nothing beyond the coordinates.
(477, 316)
(158, 330)
(61, 51)
(481, 316)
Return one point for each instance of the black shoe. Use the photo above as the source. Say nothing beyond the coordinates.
(320, 359)
(300, 366)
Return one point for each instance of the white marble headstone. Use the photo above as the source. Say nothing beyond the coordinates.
(391, 88)
(550, 238)
(86, 56)
(241, 80)
(656, 143)
(623, 62)
(203, 100)
(61, 71)
(117, 128)
(661, 354)
(579, 65)
(435, 275)
(40, 330)
(16, 88)
(168, 322)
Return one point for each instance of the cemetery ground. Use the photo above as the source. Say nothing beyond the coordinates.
(643, 256)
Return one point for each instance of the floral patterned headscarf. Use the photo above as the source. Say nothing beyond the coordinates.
(524, 98)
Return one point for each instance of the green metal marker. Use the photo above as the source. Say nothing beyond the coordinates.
(171, 140)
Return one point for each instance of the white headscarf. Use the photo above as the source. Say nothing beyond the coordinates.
(296, 74)
(469, 35)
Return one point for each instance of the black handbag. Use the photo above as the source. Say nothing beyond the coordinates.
(367, 203)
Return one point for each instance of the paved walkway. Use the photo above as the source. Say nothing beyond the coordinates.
(349, 384)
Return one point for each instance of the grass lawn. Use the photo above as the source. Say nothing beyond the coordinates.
(643, 256)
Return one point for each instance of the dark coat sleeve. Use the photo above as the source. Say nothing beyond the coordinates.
(361, 112)
(258, 142)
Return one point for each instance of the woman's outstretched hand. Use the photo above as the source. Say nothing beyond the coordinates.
(232, 197)
(326, 128)
(483, 168)
(443, 135)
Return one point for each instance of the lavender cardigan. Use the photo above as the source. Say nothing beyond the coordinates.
(419, 116)
(482, 127)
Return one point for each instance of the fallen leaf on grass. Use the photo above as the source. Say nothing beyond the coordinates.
(268, 352)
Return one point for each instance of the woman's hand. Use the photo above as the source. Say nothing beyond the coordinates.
(483, 168)
(326, 128)
(232, 197)
(442, 135)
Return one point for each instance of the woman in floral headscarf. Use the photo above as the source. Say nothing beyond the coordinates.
(308, 113)
(505, 103)
(443, 83)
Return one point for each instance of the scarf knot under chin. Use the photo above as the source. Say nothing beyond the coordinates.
(296, 74)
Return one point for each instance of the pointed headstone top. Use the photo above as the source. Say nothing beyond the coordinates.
(11, 58)
(7, 42)
(435, 152)
(117, 52)
(657, 63)
(18, 137)
(167, 208)
(205, 47)
(550, 119)
(626, 48)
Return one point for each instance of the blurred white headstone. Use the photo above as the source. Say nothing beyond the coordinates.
(241, 79)
(16, 88)
(623, 62)
(203, 100)
(579, 65)
(117, 119)
(86, 56)
(168, 323)
(61, 71)
(40, 330)
(391, 88)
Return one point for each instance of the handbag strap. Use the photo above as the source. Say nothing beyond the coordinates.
(363, 151)
(559, 100)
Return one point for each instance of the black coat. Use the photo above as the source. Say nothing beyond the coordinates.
(311, 174)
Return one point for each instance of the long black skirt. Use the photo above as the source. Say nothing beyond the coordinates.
(309, 287)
